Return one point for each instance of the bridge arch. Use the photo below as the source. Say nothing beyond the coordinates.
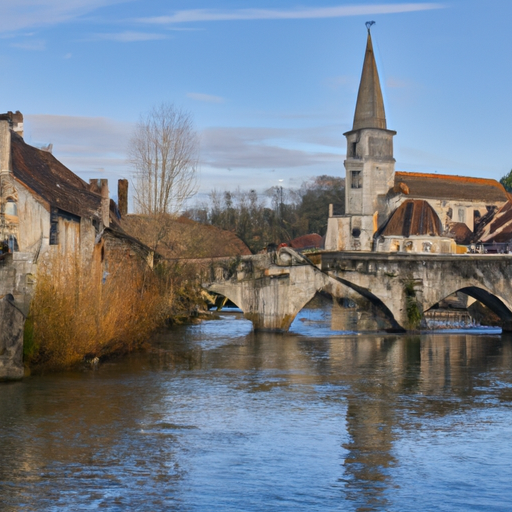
(371, 297)
(227, 292)
(491, 300)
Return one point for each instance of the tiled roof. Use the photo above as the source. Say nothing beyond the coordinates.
(499, 229)
(443, 186)
(460, 232)
(307, 241)
(41, 172)
(413, 217)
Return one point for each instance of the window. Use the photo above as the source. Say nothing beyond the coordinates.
(11, 208)
(462, 215)
(54, 227)
(356, 179)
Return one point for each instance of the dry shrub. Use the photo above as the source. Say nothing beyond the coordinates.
(79, 311)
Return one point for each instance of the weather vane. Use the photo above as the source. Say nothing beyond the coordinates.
(369, 24)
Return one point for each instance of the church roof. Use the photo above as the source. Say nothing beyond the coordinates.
(413, 217)
(370, 105)
(442, 186)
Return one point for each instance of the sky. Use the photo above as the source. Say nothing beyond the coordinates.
(271, 85)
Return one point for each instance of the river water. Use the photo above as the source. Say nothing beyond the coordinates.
(215, 417)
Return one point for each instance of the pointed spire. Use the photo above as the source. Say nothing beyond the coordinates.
(370, 105)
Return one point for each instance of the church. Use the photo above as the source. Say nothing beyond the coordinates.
(394, 211)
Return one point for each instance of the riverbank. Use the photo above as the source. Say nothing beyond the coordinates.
(77, 315)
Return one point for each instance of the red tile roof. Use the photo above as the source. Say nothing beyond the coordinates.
(413, 217)
(460, 232)
(443, 186)
(307, 241)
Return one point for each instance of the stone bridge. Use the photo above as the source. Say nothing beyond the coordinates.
(272, 288)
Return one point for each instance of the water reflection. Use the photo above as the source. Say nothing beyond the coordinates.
(217, 417)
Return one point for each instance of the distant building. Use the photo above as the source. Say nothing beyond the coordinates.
(389, 211)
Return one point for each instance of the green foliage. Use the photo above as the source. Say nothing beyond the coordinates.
(30, 347)
(316, 196)
(283, 216)
(414, 315)
(506, 181)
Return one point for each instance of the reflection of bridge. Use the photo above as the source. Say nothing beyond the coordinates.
(272, 288)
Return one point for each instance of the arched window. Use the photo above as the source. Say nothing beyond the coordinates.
(11, 207)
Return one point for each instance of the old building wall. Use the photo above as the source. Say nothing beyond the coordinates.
(88, 237)
(12, 322)
(34, 224)
(350, 233)
(416, 244)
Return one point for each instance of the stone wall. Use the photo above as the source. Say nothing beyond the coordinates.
(12, 322)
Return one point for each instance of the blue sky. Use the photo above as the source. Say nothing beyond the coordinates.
(272, 85)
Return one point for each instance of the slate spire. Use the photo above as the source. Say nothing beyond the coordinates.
(370, 105)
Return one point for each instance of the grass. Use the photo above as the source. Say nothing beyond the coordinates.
(79, 312)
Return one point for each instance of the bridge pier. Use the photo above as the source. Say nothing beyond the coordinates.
(273, 299)
(270, 288)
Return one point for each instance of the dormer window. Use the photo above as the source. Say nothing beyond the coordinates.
(11, 207)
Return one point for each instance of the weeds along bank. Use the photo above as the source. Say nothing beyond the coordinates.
(80, 312)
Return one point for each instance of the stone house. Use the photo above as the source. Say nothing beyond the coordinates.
(45, 209)
(388, 210)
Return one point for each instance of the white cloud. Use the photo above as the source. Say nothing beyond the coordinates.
(87, 145)
(37, 46)
(194, 15)
(208, 98)
(127, 37)
(267, 148)
(91, 146)
(22, 14)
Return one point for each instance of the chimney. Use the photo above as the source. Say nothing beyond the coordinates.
(122, 197)
(15, 121)
(101, 187)
(5, 147)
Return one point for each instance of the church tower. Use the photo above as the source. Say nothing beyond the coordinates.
(370, 166)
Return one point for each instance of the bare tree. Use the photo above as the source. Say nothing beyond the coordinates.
(164, 151)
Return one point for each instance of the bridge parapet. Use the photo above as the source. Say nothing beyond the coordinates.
(272, 288)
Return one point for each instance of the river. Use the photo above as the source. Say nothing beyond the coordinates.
(215, 417)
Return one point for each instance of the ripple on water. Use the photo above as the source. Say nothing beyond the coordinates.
(220, 418)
